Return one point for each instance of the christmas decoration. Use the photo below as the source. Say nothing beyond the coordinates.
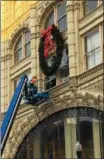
(49, 39)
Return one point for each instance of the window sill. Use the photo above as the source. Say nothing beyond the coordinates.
(20, 67)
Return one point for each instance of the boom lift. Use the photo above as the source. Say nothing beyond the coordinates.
(34, 99)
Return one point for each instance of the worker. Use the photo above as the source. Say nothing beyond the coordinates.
(32, 86)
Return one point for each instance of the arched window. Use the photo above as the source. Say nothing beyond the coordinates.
(22, 46)
(58, 17)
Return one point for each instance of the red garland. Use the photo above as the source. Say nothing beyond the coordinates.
(49, 44)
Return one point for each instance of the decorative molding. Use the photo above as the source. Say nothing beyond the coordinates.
(70, 8)
(76, 6)
(41, 10)
(6, 57)
(16, 32)
(91, 74)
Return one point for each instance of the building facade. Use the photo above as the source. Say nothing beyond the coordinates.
(75, 111)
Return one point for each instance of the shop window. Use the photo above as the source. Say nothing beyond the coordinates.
(22, 46)
(102, 138)
(92, 49)
(58, 17)
(57, 139)
(86, 139)
(90, 5)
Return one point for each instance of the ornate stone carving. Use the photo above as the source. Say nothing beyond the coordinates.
(70, 8)
(77, 5)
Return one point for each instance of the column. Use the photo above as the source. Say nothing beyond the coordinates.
(71, 38)
(96, 139)
(33, 15)
(37, 146)
(35, 37)
(5, 76)
(77, 37)
(70, 137)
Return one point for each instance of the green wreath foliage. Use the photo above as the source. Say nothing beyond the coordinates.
(51, 70)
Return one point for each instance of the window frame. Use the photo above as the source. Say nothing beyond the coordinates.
(23, 46)
(92, 51)
(26, 43)
(55, 12)
(54, 9)
(85, 7)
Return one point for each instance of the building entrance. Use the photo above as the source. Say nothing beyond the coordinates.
(56, 136)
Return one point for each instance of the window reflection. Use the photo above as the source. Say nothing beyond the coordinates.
(86, 137)
(58, 17)
(57, 141)
(90, 5)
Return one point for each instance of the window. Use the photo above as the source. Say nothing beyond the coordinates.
(18, 50)
(58, 17)
(50, 82)
(27, 43)
(22, 46)
(92, 49)
(90, 5)
(64, 66)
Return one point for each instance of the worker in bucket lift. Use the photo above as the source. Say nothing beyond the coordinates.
(33, 87)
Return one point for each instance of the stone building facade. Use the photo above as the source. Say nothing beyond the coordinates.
(51, 130)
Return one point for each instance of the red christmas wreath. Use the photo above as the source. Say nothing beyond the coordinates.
(50, 39)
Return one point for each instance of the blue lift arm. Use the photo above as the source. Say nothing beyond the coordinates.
(12, 109)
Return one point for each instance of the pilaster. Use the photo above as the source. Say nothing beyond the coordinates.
(77, 37)
(5, 76)
(35, 32)
(71, 38)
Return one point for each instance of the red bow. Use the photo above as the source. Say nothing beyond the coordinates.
(49, 43)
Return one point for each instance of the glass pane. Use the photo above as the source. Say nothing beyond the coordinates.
(61, 10)
(27, 37)
(88, 44)
(50, 82)
(19, 55)
(92, 5)
(89, 5)
(95, 40)
(90, 60)
(97, 56)
(102, 141)
(50, 19)
(27, 49)
(86, 137)
(92, 41)
(65, 58)
(18, 44)
(62, 24)
(64, 66)
(53, 142)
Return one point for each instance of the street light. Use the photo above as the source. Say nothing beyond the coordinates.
(78, 147)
